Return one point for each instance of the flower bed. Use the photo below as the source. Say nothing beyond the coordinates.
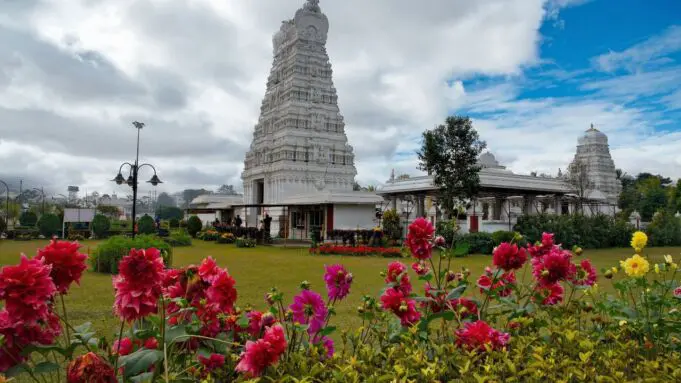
(184, 325)
(328, 249)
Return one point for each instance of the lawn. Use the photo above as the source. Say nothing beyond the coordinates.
(258, 269)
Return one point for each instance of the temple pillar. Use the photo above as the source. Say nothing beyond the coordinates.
(498, 203)
(393, 202)
(420, 206)
(558, 205)
(528, 206)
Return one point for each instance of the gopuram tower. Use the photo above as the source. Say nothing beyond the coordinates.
(299, 144)
(593, 152)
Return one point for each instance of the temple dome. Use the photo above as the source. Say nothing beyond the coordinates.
(593, 136)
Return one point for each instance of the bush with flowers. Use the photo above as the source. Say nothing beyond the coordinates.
(226, 238)
(535, 314)
(331, 249)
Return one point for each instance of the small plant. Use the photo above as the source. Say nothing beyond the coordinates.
(106, 256)
(226, 238)
(194, 226)
(178, 239)
(49, 225)
(101, 225)
(28, 219)
(146, 225)
(245, 242)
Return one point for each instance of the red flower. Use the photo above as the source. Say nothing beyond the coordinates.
(397, 275)
(90, 368)
(503, 286)
(420, 268)
(553, 267)
(464, 307)
(547, 240)
(122, 347)
(221, 293)
(262, 353)
(213, 362)
(67, 263)
(209, 269)
(542, 248)
(405, 308)
(27, 289)
(420, 237)
(139, 284)
(550, 295)
(151, 343)
(508, 257)
(677, 292)
(478, 335)
(585, 274)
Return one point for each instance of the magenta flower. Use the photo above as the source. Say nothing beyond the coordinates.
(338, 281)
(308, 308)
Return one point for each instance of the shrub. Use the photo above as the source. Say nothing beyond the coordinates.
(226, 238)
(178, 239)
(502, 236)
(478, 243)
(101, 225)
(665, 229)
(146, 225)
(28, 218)
(194, 225)
(76, 237)
(49, 225)
(245, 242)
(391, 225)
(174, 223)
(208, 235)
(448, 230)
(106, 256)
(3, 225)
(329, 249)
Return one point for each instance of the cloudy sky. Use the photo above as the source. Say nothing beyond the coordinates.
(533, 74)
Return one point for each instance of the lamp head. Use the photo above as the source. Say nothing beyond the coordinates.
(155, 180)
(119, 179)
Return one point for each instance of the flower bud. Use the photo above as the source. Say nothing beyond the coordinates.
(349, 277)
(288, 315)
(451, 276)
(269, 299)
(267, 319)
(360, 309)
(383, 274)
(577, 250)
(440, 241)
(403, 308)
(305, 285)
(588, 307)
(545, 273)
(608, 274)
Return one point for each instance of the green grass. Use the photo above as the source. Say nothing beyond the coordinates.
(258, 269)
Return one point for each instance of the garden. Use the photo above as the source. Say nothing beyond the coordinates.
(532, 311)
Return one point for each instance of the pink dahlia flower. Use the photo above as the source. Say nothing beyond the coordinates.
(420, 238)
(585, 274)
(67, 263)
(308, 308)
(553, 267)
(338, 281)
(508, 257)
(27, 289)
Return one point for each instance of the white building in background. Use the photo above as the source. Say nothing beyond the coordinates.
(504, 195)
(300, 168)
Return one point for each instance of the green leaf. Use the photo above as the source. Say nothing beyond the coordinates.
(16, 370)
(456, 292)
(243, 321)
(140, 361)
(427, 278)
(67, 352)
(144, 377)
(327, 330)
(425, 322)
(46, 367)
(83, 328)
(175, 332)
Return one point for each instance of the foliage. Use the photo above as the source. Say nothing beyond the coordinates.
(105, 257)
(49, 225)
(188, 195)
(101, 225)
(391, 225)
(178, 238)
(146, 225)
(194, 225)
(169, 212)
(76, 237)
(109, 211)
(665, 229)
(208, 235)
(591, 232)
(164, 199)
(226, 190)
(450, 153)
(647, 194)
(28, 218)
(578, 178)
(174, 223)
(505, 236)
(245, 242)
(448, 229)
(14, 210)
(329, 249)
(3, 225)
(478, 243)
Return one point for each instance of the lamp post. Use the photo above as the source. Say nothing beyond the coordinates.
(6, 205)
(133, 173)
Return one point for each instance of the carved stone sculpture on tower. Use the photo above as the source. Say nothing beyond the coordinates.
(593, 153)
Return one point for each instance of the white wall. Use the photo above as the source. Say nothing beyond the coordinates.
(348, 217)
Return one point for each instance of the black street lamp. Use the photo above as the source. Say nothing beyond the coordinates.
(6, 205)
(132, 175)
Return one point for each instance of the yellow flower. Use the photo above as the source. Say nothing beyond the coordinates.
(674, 266)
(657, 269)
(623, 323)
(614, 270)
(668, 259)
(636, 266)
(639, 241)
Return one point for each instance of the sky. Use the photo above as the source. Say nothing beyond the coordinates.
(532, 74)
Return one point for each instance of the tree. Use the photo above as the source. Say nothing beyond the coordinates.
(450, 153)
(14, 210)
(578, 178)
(226, 190)
(403, 176)
(189, 194)
(146, 225)
(108, 210)
(169, 212)
(49, 225)
(164, 199)
(101, 225)
(391, 225)
(28, 218)
(356, 186)
(653, 196)
(194, 225)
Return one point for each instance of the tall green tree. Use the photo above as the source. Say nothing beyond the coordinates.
(450, 153)
(164, 199)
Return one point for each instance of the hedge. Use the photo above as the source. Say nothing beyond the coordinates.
(106, 256)
(49, 225)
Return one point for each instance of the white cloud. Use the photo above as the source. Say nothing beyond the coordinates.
(642, 54)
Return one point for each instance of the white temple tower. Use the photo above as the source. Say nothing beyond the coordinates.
(593, 151)
(299, 144)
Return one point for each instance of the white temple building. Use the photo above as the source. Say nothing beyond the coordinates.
(300, 168)
(505, 195)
